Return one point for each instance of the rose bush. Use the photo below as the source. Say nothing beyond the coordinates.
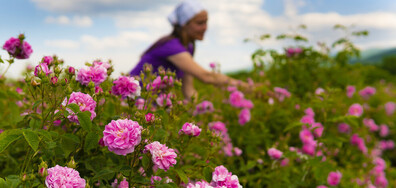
(306, 126)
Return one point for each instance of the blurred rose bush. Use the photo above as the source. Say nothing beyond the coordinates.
(305, 126)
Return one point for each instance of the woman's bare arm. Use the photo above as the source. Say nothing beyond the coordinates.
(188, 86)
(186, 63)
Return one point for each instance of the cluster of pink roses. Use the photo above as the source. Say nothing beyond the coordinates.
(18, 48)
(367, 92)
(190, 129)
(281, 93)
(220, 129)
(160, 83)
(165, 100)
(238, 100)
(306, 136)
(221, 177)
(203, 107)
(97, 73)
(293, 51)
(359, 142)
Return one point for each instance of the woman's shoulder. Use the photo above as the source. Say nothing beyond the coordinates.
(170, 47)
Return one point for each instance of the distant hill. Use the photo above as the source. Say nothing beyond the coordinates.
(374, 56)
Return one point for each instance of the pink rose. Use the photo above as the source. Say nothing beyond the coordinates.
(162, 156)
(274, 153)
(126, 87)
(355, 110)
(390, 108)
(350, 91)
(122, 136)
(334, 178)
(42, 67)
(59, 176)
(244, 116)
(84, 101)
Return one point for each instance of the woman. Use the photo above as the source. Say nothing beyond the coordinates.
(175, 51)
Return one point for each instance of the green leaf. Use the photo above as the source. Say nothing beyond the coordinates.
(2, 183)
(44, 133)
(85, 120)
(104, 174)
(71, 137)
(36, 104)
(293, 125)
(145, 161)
(91, 141)
(182, 175)
(32, 139)
(74, 107)
(207, 172)
(1, 60)
(164, 186)
(8, 137)
(69, 143)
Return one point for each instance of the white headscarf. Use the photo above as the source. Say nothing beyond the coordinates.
(184, 12)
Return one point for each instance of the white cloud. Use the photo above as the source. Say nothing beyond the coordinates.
(95, 7)
(62, 44)
(81, 21)
(122, 40)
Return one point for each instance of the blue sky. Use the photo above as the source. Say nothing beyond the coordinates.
(80, 31)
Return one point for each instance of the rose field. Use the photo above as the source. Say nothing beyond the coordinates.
(309, 119)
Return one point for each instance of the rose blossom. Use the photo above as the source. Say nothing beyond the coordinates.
(218, 127)
(334, 178)
(237, 151)
(367, 92)
(47, 60)
(384, 130)
(350, 91)
(103, 64)
(84, 101)
(203, 107)
(355, 110)
(162, 156)
(139, 103)
(244, 116)
(199, 184)
(390, 108)
(123, 184)
(164, 100)
(42, 67)
(122, 136)
(190, 129)
(149, 118)
(281, 93)
(343, 128)
(59, 176)
(222, 178)
(236, 99)
(126, 87)
(274, 153)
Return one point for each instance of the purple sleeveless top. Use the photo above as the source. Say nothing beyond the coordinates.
(158, 57)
